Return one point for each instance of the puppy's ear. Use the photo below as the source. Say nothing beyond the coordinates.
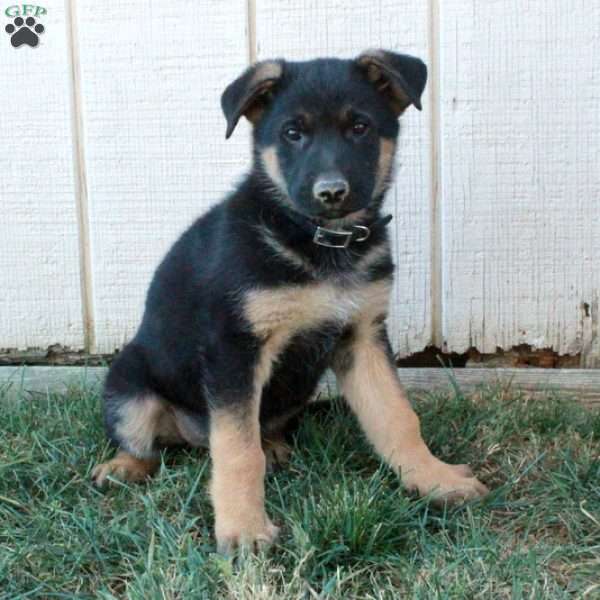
(249, 94)
(399, 77)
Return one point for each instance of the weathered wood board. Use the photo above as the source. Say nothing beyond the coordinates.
(582, 385)
(520, 173)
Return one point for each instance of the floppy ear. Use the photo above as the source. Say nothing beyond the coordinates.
(400, 77)
(248, 94)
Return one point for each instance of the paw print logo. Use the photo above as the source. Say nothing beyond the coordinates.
(24, 32)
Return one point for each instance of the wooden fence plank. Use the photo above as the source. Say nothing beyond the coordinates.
(520, 98)
(156, 156)
(39, 255)
(304, 29)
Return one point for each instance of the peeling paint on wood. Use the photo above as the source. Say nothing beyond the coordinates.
(520, 116)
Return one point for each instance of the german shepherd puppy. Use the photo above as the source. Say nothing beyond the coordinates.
(286, 277)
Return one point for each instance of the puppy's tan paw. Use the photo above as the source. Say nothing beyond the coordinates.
(277, 452)
(251, 534)
(445, 483)
(125, 467)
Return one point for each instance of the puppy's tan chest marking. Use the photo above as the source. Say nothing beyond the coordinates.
(285, 311)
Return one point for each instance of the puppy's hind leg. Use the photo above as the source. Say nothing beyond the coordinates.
(126, 467)
(133, 424)
(277, 451)
(135, 420)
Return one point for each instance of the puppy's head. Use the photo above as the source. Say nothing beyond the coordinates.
(325, 130)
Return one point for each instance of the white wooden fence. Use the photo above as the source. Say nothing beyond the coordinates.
(112, 141)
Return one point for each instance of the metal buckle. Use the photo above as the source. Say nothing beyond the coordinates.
(321, 238)
(366, 233)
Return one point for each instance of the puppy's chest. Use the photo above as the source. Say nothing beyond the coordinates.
(288, 310)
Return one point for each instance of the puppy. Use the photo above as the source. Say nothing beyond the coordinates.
(289, 275)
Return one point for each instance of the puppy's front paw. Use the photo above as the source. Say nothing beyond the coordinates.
(247, 532)
(445, 483)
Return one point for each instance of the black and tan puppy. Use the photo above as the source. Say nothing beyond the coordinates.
(287, 276)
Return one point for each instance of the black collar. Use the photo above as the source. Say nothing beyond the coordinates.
(332, 238)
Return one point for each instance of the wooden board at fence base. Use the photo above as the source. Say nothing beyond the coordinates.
(582, 385)
(156, 157)
(300, 30)
(39, 254)
(520, 174)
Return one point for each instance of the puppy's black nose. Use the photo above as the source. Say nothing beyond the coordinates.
(331, 190)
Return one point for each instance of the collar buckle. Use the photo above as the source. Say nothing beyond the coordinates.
(340, 239)
(364, 233)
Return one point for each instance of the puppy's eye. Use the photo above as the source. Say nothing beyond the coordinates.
(292, 133)
(359, 128)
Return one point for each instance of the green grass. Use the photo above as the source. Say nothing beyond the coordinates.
(348, 529)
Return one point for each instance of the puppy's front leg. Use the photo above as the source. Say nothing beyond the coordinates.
(237, 486)
(238, 460)
(368, 379)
